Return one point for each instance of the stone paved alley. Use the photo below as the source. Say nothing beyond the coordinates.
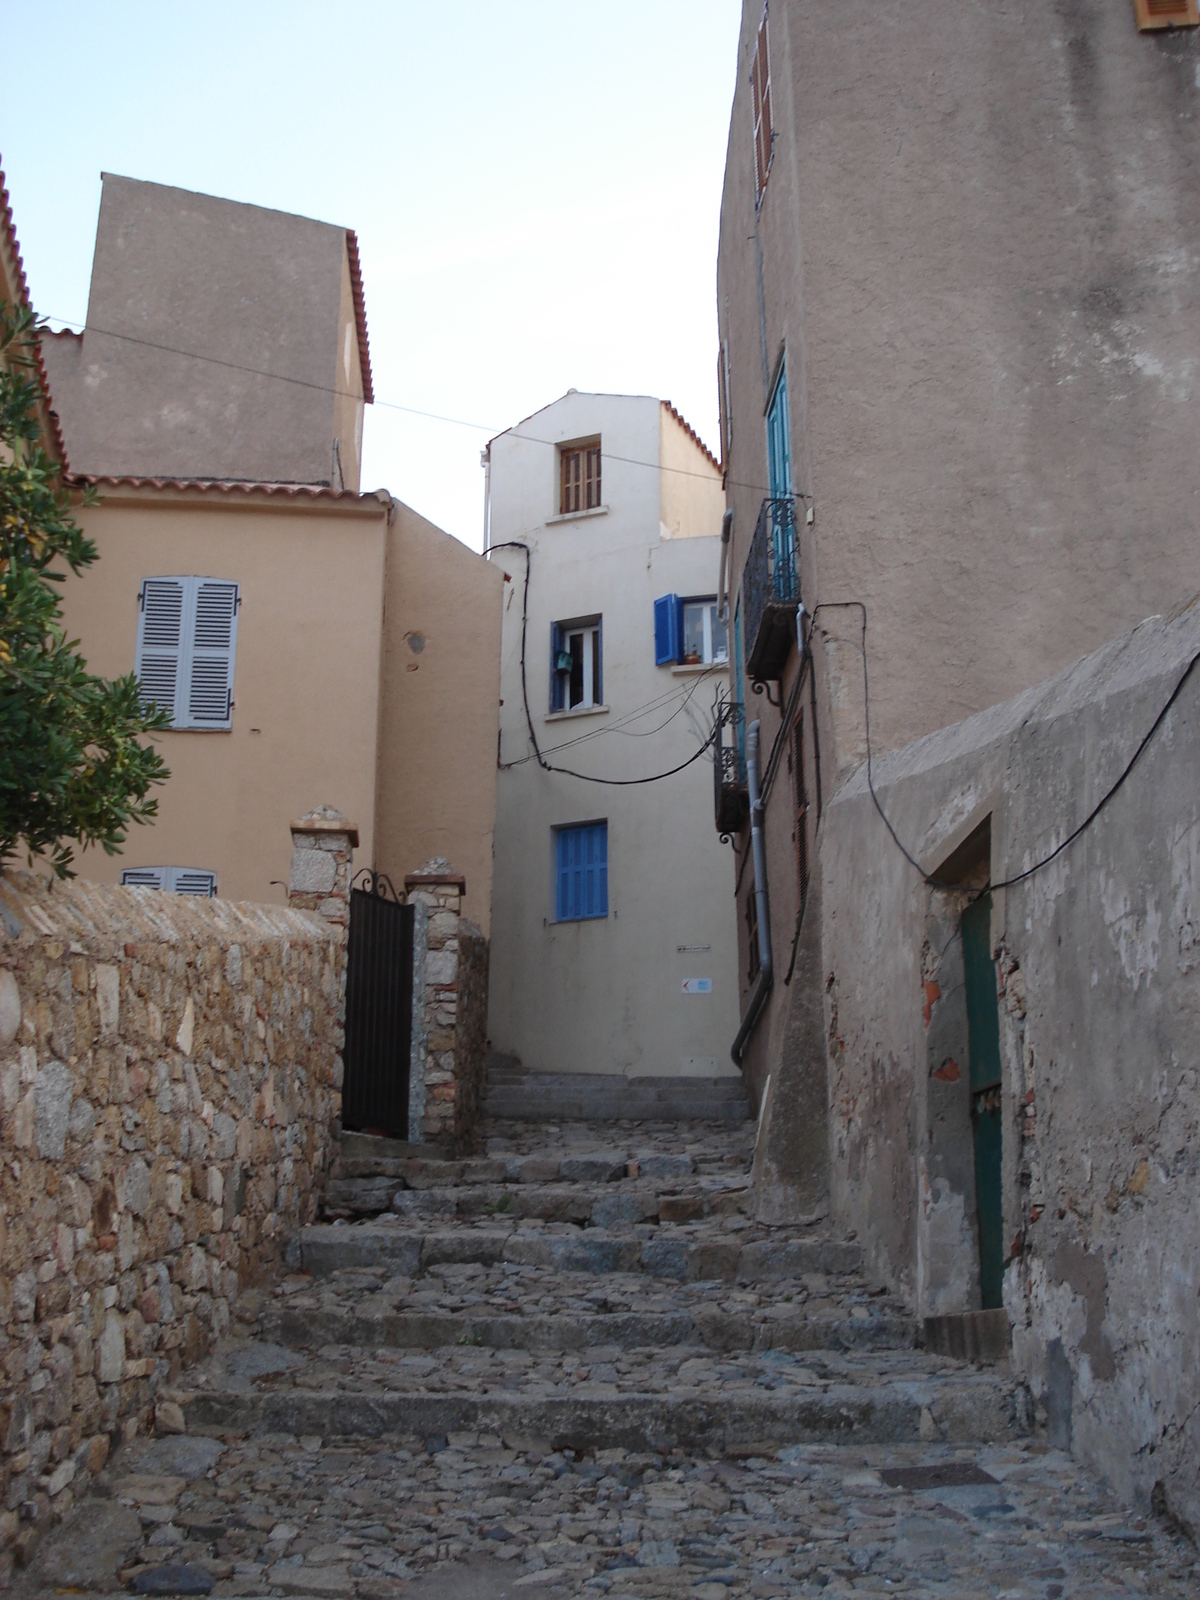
(578, 1366)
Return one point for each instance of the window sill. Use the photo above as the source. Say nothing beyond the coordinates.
(577, 516)
(568, 922)
(576, 711)
(689, 669)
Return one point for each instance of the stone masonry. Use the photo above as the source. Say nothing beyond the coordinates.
(451, 1051)
(168, 1085)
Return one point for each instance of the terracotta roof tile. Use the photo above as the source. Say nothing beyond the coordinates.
(692, 434)
(360, 315)
(287, 491)
(8, 233)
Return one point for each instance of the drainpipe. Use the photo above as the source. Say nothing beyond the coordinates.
(762, 984)
(726, 532)
(485, 461)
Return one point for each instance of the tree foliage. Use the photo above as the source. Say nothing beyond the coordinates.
(72, 769)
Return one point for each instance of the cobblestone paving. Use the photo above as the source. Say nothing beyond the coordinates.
(647, 1442)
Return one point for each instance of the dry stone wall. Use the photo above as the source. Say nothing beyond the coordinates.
(169, 1080)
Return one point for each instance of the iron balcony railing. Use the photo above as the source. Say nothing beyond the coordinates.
(771, 589)
(730, 794)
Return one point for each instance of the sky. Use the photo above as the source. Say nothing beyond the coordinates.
(535, 186)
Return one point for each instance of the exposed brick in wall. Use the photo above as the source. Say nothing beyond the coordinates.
(168, 1073)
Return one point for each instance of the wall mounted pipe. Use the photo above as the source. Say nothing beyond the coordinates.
(762, 984)
(726, 533)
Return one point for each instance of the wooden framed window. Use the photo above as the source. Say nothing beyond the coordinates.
(579, 479)
(1166, 14)
(760, 80)
(576, 665)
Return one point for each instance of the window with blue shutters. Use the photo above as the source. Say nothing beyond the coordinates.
(581, 854)
(186, 643)
(668, 630)
(577, 665)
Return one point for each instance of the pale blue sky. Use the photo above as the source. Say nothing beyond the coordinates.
(535, 186)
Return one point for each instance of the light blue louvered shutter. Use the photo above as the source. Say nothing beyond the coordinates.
(190, 880)
(213, 645)
(160, 660)
(668, 630)
(143, 877)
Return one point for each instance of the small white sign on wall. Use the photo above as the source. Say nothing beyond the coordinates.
(697, 986)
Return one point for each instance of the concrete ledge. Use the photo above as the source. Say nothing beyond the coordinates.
(984, 1336)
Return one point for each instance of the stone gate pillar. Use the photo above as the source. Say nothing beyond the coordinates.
(323, 845)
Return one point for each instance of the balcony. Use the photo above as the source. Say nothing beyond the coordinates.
(771, 590)
(731, 796)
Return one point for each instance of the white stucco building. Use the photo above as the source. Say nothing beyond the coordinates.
(613, 951)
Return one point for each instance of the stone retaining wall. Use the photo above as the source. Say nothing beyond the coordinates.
(169, 1079)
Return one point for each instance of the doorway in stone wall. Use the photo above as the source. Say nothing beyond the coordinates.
(983, 1025)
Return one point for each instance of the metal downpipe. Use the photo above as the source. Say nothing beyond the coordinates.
(762, 984)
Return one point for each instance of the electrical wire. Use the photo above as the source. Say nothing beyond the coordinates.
(630, 716)
(386, 405)
(584, 777)
(1018, 877)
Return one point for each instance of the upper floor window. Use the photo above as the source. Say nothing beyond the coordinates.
(760, 79)
(1166, 14)
(689, 632)
(175, 880)
(576, 665)
(779, 439)
(579, 486)
(186, 640)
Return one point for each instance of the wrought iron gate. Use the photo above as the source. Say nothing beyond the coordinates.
(379, 979)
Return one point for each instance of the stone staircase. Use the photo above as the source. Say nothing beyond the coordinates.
(591, 1288)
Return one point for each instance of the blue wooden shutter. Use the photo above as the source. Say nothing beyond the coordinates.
(582, 872)
(668, 630)
(558, 680)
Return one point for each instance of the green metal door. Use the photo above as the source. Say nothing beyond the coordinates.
(983, 1022)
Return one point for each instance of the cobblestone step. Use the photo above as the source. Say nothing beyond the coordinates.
(327, 1247)
(600, 1204)
(955, 1411)
(708, 1329)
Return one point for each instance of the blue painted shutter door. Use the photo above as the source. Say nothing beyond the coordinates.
(595, 842)
(557, 681)
(668, 630)
(779, 447)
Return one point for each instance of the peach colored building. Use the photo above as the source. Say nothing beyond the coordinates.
(315, 644)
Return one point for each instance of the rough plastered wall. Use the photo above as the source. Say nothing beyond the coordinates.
(1098, 989)
(169, 1071)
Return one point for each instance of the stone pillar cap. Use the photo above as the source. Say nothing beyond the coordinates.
(327, 820)
(418, 880)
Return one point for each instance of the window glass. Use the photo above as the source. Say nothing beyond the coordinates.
(705, 638)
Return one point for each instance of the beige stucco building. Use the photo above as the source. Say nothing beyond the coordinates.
(317, 645)
(612, 951)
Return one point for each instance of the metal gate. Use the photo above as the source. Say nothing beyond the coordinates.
(379, 979)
